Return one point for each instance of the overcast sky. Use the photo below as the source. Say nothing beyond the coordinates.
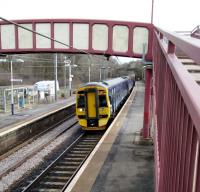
(173, 15)
(168, 14)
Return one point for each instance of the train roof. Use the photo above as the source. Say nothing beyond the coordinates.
(107, 83)
(93, 84)
(113, 82)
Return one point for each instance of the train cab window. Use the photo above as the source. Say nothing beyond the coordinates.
(102, 101)
(81, 102)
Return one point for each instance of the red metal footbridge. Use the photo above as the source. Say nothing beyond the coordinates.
(172, 89)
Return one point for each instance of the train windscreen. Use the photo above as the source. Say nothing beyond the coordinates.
(81, 101)
(102, 101)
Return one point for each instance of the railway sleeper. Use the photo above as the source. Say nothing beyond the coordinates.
(85, 145)
(64, 173)
(57, 178)
(72, 155)
(45, 190)
(49, 185)
(66, 163)
(89, 140)
(93, 137)
(71, 168)
(74, 159)
(61, 168)
(83, 148)
(79, 152)
(53, 182)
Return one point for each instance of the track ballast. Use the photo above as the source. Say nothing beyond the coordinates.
(58, 174)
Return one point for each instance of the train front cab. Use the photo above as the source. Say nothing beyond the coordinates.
(92, 108)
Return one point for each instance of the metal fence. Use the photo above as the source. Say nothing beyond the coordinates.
(22, 97)
(176, 115)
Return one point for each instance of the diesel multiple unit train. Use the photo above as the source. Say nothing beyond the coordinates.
(98, 102)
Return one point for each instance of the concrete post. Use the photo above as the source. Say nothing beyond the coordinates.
(12, 92)
(55, 74)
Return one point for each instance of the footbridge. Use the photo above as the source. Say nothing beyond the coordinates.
(65, 35)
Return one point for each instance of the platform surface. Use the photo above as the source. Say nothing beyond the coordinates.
(8, 121)
(126, 166)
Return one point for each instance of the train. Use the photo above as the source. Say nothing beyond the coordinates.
(98, 102)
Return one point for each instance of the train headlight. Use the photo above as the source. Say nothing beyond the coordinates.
(81, 109)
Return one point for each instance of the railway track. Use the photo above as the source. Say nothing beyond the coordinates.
(59, 173)
(41, 146)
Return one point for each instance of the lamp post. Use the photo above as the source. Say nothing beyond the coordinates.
(89, 69)
(152, 11)
(103, 73)
(55, 74)
(89, 73)
(65, 82)
(68, 64)
(108, 70)
(12, 95)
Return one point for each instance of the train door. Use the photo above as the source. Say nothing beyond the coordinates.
(92, 103)
(92, 109)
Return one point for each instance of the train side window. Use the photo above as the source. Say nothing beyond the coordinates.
(81, 102)
(110, 99)
(102, 101)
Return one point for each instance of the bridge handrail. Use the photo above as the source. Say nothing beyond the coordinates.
(196, 32)
(176, 114)
(189, 46)
(189, 89)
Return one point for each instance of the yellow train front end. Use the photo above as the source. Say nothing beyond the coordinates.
(93, 107)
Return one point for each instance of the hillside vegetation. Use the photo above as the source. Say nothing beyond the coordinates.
(37, 67)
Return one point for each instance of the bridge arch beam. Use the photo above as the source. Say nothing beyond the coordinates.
(92, 36)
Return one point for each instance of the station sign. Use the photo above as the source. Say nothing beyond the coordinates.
(16, 80)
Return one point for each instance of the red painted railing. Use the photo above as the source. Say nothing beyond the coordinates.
(176, 115)
(196, 32)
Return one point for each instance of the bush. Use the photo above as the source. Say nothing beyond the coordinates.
(62, 95)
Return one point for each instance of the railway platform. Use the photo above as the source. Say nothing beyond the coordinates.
(8, 121)
(18, 129)
(119, 163)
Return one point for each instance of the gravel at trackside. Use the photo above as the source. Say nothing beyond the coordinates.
(31, 163)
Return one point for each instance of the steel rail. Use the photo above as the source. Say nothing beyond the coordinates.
(10, 168)
(60, 182)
